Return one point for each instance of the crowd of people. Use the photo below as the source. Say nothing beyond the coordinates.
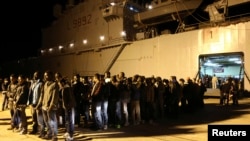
(99, 102)
(230, 88)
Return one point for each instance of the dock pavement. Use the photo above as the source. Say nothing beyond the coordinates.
(187, 127)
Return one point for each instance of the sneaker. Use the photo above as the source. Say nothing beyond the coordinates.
(10, 128)
(105, 127)
(143, 121)
(126, 124)
(32, 132)
(118, 126)
(41, 135)
(18, 129)
(54, 139)
(47, 137)
(66, 135)
(23, 132)
(152, 122)
(69, 139)
(136, 123)
(80, 126)
(98, 129)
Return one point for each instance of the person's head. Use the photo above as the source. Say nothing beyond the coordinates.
(107, 74)
(129, 80)
(37, 75)
(149, 81)
(76, 78)
(13, 78)
(48, 75)
(85, 79)
(166, 81)
(158, 79)
(199, 80)
(21, 79)
(62, 82)
(6, 80)
(114, 79)
(173, 78)
(121, 75)
(189, 80)
(96, 77)
(58, 76)
(182, 81)
(135, 77)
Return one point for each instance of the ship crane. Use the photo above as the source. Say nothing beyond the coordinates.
(213, 10)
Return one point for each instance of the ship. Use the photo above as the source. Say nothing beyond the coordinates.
(182, 38)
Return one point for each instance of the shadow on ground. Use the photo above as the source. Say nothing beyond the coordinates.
(184, 124)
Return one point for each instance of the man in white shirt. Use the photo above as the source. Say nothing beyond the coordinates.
(214, 81)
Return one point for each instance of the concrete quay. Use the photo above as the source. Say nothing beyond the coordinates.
(188, 127)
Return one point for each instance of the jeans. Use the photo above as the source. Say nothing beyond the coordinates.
(86, 106)
(118, 112)
(98, 114)
(40, 121)
(78, 111)
(70, 120)
(135, 111)
(5, 101)
(23, 117)
(125, 110)
(105, 112)
(16, 118)
(34, 118)
(50, 120)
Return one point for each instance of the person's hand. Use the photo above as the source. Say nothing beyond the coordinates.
(49, 109)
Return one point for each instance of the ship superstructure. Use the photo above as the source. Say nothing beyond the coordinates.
(154, 37)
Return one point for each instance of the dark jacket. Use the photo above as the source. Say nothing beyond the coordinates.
(68, 98)
(22, 94)
(96, 93)
(78, 91)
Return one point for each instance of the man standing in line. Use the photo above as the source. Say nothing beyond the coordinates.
(5, 85)
(97, 101)
(49, 106)
(68, 104)
(35, 92)
(78, 91)
(11, 93)
(21, 99)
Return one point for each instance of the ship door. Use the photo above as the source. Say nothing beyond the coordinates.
(223, 66)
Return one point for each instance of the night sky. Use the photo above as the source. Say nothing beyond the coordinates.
(21, 23)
